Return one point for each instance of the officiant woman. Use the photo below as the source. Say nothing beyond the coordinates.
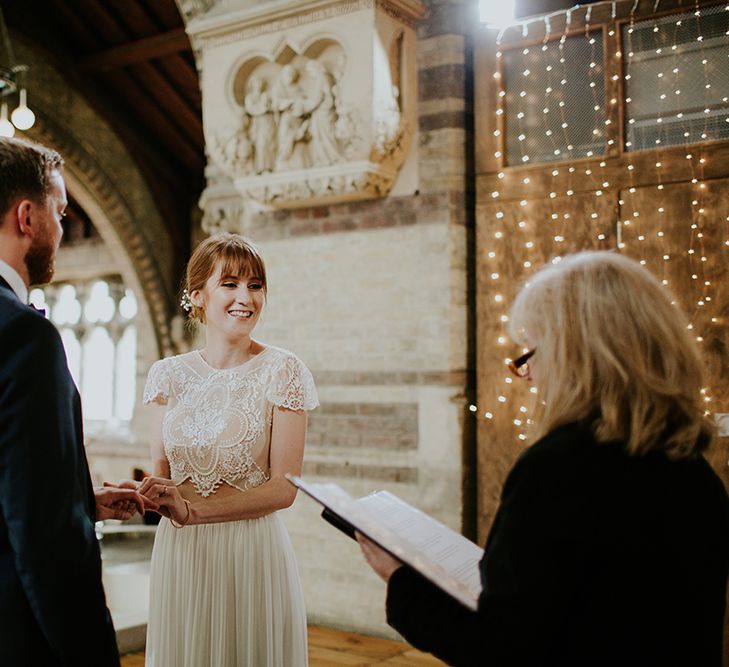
(611, 543)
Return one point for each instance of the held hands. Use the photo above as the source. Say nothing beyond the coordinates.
(165, 496)
(158, 494)
(379, 560)
(117, 503)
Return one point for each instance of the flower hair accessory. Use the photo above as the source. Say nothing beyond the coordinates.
(185, 301)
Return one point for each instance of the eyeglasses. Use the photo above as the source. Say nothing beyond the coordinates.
(519, 366)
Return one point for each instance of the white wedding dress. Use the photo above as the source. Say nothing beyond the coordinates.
(225, 594)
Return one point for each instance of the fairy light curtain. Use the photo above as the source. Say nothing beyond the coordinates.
(556, 106)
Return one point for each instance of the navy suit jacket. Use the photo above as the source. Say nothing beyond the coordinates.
(595, 559)
(52, 605)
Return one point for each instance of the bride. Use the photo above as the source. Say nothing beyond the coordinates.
(229, 421)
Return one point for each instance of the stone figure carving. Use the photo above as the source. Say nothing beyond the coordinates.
(321, 104)
(213, 220)
(289, 121)
(220, 214)
(262, 127)
(239, 150)
(328, 99)
(293, 121)
(233, 151)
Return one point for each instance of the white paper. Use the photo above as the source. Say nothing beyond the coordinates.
(458, 556)
(440, 554)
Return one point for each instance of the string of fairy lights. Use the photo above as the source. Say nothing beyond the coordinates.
(666, 103)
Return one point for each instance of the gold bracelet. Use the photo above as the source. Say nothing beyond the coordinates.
(187, 518)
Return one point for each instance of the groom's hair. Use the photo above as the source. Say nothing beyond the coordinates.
(25, 171)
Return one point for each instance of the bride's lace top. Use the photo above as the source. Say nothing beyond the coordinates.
(217, 426)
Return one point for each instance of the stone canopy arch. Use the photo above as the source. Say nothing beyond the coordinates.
(103, 177)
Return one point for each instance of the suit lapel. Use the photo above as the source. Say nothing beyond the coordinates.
(5, 287)
(4, 283)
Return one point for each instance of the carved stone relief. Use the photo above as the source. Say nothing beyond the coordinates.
(292, 117)
(323, 113)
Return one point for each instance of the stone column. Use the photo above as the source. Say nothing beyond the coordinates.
(363, 218)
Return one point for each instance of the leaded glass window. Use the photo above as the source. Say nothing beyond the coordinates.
(554, 100)
(677, 79)
(96, 320)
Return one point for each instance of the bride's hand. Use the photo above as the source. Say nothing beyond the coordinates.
(165, 494)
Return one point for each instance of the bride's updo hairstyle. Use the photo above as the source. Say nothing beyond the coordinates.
(236, 255)
(613, 349)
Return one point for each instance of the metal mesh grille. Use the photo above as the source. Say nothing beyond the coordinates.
(554, 100)
(677, 79)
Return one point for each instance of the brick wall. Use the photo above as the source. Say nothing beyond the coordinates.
(374, 297)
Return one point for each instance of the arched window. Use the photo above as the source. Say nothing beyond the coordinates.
(96, 319)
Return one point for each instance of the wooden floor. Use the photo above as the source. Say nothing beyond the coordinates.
(332, 648)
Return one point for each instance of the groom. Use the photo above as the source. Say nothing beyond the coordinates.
(52, 605)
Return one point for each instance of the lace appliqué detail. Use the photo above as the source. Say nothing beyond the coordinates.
(207, 469)
(157, 389)
(217, 427)
(293, 387)
(219, 419)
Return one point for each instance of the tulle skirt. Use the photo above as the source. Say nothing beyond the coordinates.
(225, 595)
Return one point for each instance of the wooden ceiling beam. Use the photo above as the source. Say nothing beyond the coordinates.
(63, 14)
(154, 119)
(138, 52)
(183, 76)
(168, 99)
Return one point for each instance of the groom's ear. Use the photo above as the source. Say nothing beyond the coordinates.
(23, 217)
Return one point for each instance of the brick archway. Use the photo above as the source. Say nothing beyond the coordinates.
(120, 226)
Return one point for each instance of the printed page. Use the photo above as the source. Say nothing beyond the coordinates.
(440, 554)
(456, 555)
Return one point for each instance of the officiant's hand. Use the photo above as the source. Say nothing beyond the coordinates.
(380, 561)
(116, 503)
(165, 494)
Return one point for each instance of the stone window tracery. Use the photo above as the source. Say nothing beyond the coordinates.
(96, 320)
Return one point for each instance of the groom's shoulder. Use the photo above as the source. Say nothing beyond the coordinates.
(18, 320)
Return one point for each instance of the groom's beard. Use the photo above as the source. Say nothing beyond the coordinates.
(40, 260)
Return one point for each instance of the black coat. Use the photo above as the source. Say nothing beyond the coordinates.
(595, 559)
(52, 604)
